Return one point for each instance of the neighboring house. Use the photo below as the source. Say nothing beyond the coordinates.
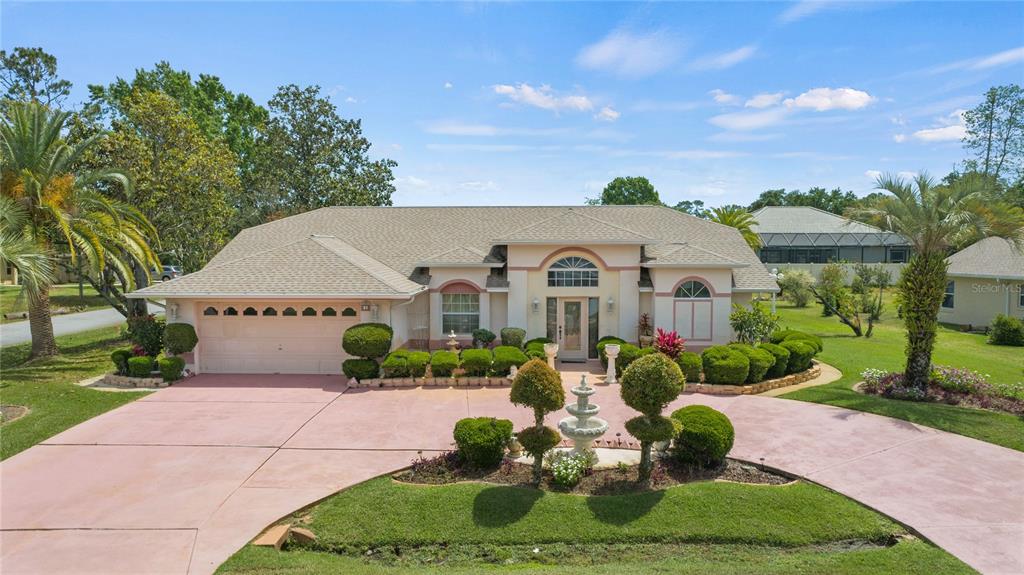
(808, 238)
(279, 296)
(985, 279)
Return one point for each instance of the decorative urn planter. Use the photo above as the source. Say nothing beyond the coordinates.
(612, 351)
(550, 349)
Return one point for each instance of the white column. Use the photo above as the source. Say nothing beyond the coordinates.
(518, 299)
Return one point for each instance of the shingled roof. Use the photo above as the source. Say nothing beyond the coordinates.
(994, 258)
(351, 247)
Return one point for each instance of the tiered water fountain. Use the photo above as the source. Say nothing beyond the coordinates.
(583, 428)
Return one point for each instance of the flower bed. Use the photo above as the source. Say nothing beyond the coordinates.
(950, 385)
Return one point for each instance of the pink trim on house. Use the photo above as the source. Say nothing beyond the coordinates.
(457, 286)
(547, 261)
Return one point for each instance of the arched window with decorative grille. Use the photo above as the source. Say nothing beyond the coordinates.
(269, 311)
(573, 271)
(329, 312)
(692, 289)
(250, 311)
(230, 311)
(210, 311)
(348, 312)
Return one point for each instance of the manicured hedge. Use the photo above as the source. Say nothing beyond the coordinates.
(180, 338)
(171, 368)
(482, 440)
(690, 363)
(140, 366)
(477, 362)
(120, 358)
(792, 334)
(505, 356)
(396, 364)
(417, 361)
(370, 340)
(760, 361)
(443, 363)
(724, 365)
(706, 436)
(513, 337)
(778, 369)
(801, 353)
(360, 368)
(483, 337)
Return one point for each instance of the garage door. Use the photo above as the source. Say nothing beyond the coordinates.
(273, 338)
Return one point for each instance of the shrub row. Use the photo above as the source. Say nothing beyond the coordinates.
(170, 368)
(738, 363)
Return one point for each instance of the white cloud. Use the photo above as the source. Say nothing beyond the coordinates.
(396, 147)
(743, 121)
(448, 86)
(351, 100)
(479, 186)
(801, 10)
(633, 55)
(725, 59)
(544, 97)
(873, 174)
(742, 137)
(899, 138)
(907, 175)
(459, 128)
(723, 97)
(1011, 56)
(764, 100)
(951, 128)
(607, 114)
(412, 182)
(822, 99)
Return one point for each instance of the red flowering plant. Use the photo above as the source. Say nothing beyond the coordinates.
(669, 343)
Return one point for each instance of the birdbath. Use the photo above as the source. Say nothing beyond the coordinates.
(582, 428)
(612, 351)
(550, 349)
(453, 344)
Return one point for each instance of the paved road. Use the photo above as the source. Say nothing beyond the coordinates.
(18, 332)
(179, 480)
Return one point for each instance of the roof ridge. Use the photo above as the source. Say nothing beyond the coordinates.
(607, 223)
(251, 255)
(574, 211)
(361, 260)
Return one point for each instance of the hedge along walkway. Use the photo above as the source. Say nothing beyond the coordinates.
(189, 474)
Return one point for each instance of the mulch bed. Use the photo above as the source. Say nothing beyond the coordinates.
(446, 468)
(9, 413)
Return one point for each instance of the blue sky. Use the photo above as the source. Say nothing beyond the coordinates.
(508, 103)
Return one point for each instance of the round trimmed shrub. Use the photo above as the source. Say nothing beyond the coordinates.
(724, 365)
(690, 364)
(809, 338)
(360, 368)
(417, 362)
(705, 438)
(371, 340)
(140, 366)
(760, 361)
(538, 387)
(171, 368)
(628, 353)
(443, 363)
(482, 440)
(780, 336)
(538, 340)
(536, 354)
(778, 369)
(180, 338)
(801, 353)
(536, 441)
(505, 356)
(477, 362)
(650, 429)
(1006, 330)
(483, 337)
(513, 337)
(120, 358)
(396, 365)
(650, 383)
(600, 348)
(401, 352)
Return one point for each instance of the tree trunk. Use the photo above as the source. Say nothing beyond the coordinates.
(137, 306)
(41, 325)
(644, 471)
(538, 469)
(922, 287)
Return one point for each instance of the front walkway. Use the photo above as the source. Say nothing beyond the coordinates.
(178, 481)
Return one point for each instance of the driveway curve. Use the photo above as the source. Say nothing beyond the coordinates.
(178, 481)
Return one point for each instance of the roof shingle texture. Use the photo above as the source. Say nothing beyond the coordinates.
(990, 257)
(806, 220)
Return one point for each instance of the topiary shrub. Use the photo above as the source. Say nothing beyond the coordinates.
(171, 368)
(600, 348)
(401, 352)
(648, 385)
(778, 369)
(180, 338)
(483, 337)
(801, 353)
(477, 362)
(360, 368)
(505, 356)
(705, 438)
(1007, 330)
(141, 366)
(690, 364)
(396, 365)
(760, 361)
(538, 340)
(533, 348)
(538, 387)
(417, 362)
(779, 336)
(513, 337)
(120, 358)
(370, 340)
(146, 332)
(443, 363)
(792, 334)
(724, 365)
(482, 440)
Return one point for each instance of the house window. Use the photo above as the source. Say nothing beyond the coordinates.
(348, 312)
(1020, 295)
(210, 311)
(898, 255)
(947, 300)
(289, 312)
(308, 312)
(230, 311)
(593, 325)
(460, 312)
(552, 318)
(250, 311)
(692, 289)
(572, 271)
(269, 311)
(329, 312)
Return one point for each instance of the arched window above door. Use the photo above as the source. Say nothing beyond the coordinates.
(692, 289)
(572, 271)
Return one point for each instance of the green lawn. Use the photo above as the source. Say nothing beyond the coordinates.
(705, 527)
(61, 296)
(47, 387)
(884, 350)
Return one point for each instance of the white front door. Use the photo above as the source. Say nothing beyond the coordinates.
(572, 329)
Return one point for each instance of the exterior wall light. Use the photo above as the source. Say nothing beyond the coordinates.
(365, 306)
(536, 305)
(611, 303)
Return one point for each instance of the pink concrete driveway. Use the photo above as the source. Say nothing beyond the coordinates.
(178, 481)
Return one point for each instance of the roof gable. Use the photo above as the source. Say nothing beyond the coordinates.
(995, 258)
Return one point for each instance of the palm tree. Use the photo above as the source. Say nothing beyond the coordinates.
(935, 219)
(51, 210)
(739, 218)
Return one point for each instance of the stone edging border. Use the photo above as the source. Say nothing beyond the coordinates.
(759, 387)
(431, 382)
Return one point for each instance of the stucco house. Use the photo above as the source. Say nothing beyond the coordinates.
(984, 280)
(279, 296)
